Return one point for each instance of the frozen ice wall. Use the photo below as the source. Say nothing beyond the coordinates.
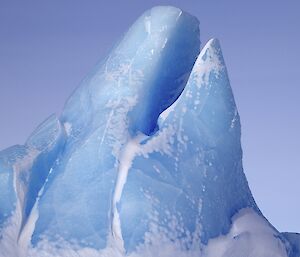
(145, 160)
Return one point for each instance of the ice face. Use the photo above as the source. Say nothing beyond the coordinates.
(124, 96)
(184, 176)
(145, 160)
(23, 172)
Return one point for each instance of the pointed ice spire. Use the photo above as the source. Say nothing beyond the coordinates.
(194, 163)
(208, 95)
(209, 124)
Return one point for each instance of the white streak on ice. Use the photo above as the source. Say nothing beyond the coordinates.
(125, 162)
(133, 148)
(68, 128)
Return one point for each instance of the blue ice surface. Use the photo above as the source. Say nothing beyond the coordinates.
(8, 198)
(185, 178)
(29, 166)
(49, 140)
(141, 77)
(197, 180)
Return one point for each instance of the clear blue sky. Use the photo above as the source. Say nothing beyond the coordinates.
(47, 47)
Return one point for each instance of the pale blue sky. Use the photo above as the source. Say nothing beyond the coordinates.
(47, 47)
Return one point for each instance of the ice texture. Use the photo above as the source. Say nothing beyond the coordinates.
(190, 167)
(23, 172)
(145, 160)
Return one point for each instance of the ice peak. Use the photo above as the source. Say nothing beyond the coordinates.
(91, 183)
(151, 64)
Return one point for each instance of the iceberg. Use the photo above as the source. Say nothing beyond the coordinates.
(145, 160)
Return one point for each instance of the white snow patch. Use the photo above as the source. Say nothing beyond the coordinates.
(166, 112)
(148, 24)
(208, 61)
(68, 128)
(250, 235)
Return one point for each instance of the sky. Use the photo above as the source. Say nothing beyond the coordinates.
(48, 46)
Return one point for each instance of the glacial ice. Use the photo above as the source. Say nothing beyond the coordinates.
(145, 160)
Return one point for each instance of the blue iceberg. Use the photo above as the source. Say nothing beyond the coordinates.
(145, 160)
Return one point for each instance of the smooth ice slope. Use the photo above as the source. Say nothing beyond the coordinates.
(144, 161)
